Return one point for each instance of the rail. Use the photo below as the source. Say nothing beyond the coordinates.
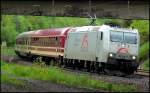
(142, 72)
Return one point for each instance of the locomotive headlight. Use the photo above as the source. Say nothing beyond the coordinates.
(133, 57)
(110, 55)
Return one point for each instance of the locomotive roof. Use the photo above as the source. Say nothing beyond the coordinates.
(45, 32)
(103, 28)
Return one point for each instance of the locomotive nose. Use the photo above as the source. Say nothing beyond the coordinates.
(122, 50)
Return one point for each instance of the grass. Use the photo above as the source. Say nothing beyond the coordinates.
(145, 65)
(7, 51)
(56, 75)
(9, 80)
(144, 55)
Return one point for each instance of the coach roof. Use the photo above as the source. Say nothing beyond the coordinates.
(45, 32)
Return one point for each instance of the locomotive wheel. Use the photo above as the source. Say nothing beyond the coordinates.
(92, 66)
(73, 64)
(97, 67)
(82, 64)
(79, 65)
(88, 66)
(66, 62)
(63, 63)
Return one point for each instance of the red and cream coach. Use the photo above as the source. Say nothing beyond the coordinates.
(47, 42)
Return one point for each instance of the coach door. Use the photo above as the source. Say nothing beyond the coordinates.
(57, 45)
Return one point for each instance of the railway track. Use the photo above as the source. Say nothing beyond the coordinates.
(142, 72)
(139, 80)
(15, 59)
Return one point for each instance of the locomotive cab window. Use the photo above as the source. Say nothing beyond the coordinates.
(116, 36)
(130, 38)
(123, 37)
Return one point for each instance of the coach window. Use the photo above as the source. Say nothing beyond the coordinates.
(26, 41)
(47, 41)
(42, 42)
(23, 41)
(56, 41)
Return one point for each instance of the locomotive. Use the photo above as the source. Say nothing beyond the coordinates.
(94, 48)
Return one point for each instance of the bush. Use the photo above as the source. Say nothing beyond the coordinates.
(143, 28)
(144, 51)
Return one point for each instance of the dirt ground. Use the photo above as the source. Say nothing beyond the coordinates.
(40, 86)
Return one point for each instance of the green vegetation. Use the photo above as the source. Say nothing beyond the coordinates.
(60, 76)
(12, 25)
(144, 51)
(11, 80)
(8, 78)
(7, 51)
(143, 27)
(145, 65)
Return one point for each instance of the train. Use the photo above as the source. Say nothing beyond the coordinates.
(94, 48)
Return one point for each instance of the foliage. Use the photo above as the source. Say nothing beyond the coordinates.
(146, 64)
(7, 51)
(38, 62)
(8, 29)
(117, 22)
(12, 25)
(143, 28)
(11, 80)
(58, 75)
(144, 51)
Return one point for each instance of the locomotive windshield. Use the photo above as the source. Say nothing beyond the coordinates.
(123, 37)
(116, 36)
(130, 38)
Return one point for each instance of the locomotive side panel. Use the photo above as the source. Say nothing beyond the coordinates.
(81, 45)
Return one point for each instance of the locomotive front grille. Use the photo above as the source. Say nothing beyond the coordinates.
(120, 56)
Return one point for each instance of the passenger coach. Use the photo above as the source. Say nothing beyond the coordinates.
(48, 42)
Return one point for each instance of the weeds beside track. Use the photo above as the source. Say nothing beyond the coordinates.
(136, 80)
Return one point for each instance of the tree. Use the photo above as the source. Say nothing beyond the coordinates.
(143, 28)
(8, 29)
